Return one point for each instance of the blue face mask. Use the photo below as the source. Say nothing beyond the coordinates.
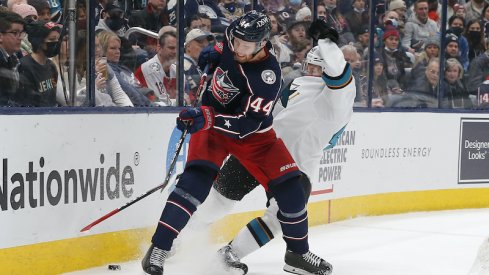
(295, 2)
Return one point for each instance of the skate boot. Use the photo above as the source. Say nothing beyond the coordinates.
(306, 264)
(153, 260)
(231, 261)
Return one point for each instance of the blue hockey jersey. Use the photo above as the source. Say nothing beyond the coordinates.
(243, 94)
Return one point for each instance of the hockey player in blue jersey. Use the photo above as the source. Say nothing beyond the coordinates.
(311, 115)
(235, 118)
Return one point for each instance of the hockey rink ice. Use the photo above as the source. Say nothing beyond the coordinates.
(423, 243)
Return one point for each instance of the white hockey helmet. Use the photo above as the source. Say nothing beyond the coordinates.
(313, 58)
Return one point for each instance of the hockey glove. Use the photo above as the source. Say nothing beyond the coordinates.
(196, 119)
(320, 30)
(209, 55)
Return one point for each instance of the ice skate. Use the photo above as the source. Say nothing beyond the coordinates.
(306, 264)
(154, 260)
(231, 261)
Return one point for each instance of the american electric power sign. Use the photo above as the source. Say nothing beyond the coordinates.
(473, 165)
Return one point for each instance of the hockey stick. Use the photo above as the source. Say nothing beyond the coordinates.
(203, 79)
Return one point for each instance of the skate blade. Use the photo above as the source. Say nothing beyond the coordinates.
(295, 270)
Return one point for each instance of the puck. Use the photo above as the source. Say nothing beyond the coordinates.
(114, 267)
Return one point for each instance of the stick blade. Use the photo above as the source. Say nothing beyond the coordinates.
(99, 220)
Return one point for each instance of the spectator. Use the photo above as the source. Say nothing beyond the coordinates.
(389, 18)
(362, 41)
(478, 70)
(108, 91)
(419, 27)
(451, 49)
(456, 26)
(473, 10)
(29, 14)
(195, 41)
(111, 44)
(455, 93)
(206, 24)
(12, 32)
(156, 73)
(152, 18)
(277, 29)
(335, 19)
(357, 17)
(294, 39)
(321, 11)
(304, 14)
(428, 84)
(431, 50)
(399, 6)
(475, 38)
(114, 21)
(379, 89)
(38, 74)
(394, 57)
(351, 56)
(81, 13)
(43, 9)
(434, 11)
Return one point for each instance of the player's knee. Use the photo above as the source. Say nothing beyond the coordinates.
(197, 181)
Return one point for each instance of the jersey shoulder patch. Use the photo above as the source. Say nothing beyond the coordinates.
(269, 77)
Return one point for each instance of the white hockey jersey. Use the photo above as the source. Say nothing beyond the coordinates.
(151, 74)
(317, 110)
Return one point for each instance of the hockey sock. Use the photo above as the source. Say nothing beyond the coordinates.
(191, 190)
(292, 214)
(214, 208)
(257, 232)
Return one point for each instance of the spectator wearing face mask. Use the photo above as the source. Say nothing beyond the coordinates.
(394, 57)
(478, 69)
(38, 74)
(456, 26)
(475, 37)
(115, 22)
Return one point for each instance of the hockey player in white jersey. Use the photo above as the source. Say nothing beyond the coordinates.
(310, 117)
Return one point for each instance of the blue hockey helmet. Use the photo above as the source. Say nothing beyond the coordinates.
(253, 27)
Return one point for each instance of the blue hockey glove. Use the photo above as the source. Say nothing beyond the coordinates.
(196, 119)
(209, 55)
(320, 30)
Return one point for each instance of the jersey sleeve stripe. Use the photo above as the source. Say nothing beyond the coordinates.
(340, 81)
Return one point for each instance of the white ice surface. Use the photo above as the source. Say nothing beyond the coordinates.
(425, 243)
